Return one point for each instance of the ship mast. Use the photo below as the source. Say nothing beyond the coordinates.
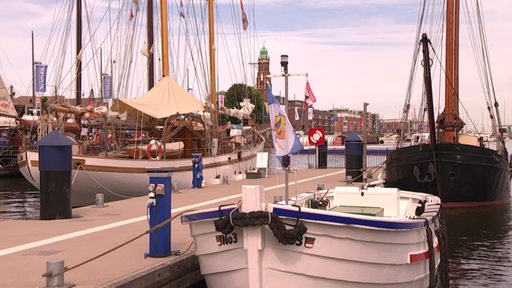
(165, 40)
(449, 121)
(213, 84)
(78, 71)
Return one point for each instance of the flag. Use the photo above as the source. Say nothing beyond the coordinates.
(221, 100)
(41, 77)
(91, 99)
(106, 86)
(245, 23)
(284, 137)
(309, 96)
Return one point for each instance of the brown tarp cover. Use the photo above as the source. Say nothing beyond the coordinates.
(166, 98)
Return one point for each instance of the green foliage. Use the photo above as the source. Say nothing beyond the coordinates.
(235, 95)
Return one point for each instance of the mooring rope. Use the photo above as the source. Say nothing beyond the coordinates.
(227, 224)
(156, 227)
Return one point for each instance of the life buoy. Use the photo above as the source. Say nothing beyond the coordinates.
(150, 146)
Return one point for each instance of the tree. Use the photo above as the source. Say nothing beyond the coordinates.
(236, 94)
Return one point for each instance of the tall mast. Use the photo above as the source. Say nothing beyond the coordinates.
(151, 65)
(78, 71)
(449, 121)
(165, 41)
(213, 84)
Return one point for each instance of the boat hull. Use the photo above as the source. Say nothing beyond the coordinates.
(457, 173)
(338, 250)
(121, 178)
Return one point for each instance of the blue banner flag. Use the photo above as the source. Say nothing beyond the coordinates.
(41, 77)
(284, 137)
(107, 86)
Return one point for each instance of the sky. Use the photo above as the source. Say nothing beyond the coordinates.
(353, 51)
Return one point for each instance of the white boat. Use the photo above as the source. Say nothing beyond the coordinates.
(354, 237)
(170, 114)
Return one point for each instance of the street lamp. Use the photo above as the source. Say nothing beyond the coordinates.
(284, 64)
(286, 158)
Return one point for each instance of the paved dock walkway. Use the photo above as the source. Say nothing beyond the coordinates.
(26, 245)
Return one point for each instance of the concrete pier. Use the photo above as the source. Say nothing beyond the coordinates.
(105, 247)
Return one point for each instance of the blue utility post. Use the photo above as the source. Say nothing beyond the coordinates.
(197, 170)
(55, 157)
(159, 208)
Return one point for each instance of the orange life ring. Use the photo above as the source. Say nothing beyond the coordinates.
(150, 146)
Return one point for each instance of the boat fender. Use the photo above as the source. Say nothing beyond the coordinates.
(227, 224)
(158, 145)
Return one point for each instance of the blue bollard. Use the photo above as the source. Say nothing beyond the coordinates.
(197, 170)
(55, 157)
(159, 210)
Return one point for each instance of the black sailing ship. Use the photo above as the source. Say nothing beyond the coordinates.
(460, 172)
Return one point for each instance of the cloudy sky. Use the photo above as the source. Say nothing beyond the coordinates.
(354, 51)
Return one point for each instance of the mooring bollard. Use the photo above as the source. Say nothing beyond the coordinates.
(100, 200)
(55, 274)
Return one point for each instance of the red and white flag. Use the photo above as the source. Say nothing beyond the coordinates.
(309, 96)
(245, 23)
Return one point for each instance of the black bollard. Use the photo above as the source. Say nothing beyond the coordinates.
(55, 157)
(354, 157)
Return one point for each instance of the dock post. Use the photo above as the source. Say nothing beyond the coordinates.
(55, 165)
(55, 274)
(159, 206)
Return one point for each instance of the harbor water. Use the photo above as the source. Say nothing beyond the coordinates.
(479, 238)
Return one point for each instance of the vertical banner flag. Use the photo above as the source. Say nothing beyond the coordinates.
(245, 23)
(310, 113)
(309, 96)
(284, 137)
(221, 100)
(106, 86)
(41, 77)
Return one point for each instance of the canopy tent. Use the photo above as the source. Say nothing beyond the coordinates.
(166, 98)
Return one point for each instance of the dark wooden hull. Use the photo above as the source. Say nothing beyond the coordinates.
(456, 173)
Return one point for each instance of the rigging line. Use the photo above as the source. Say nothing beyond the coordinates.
(486, 60)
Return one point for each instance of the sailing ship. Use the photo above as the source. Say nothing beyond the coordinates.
(461, 169)
(175, 130)
(10, 139)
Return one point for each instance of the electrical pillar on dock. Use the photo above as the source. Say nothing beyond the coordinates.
(159, 206)
(55, 165)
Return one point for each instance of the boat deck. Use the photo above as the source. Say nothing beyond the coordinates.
(27, 245)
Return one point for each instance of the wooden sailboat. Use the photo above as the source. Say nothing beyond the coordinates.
(10, 139)
(172, 115)
(460, 172)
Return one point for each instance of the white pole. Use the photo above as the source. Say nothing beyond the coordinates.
(253, 199)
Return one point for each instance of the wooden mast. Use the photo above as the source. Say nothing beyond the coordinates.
(149, 36)
(165, 41)
(78, 72)
(213, 84)
(449, 121)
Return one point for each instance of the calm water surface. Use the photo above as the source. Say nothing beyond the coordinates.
(479, 239)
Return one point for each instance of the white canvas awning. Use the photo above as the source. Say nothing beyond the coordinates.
(6, 105)
(166, 98)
